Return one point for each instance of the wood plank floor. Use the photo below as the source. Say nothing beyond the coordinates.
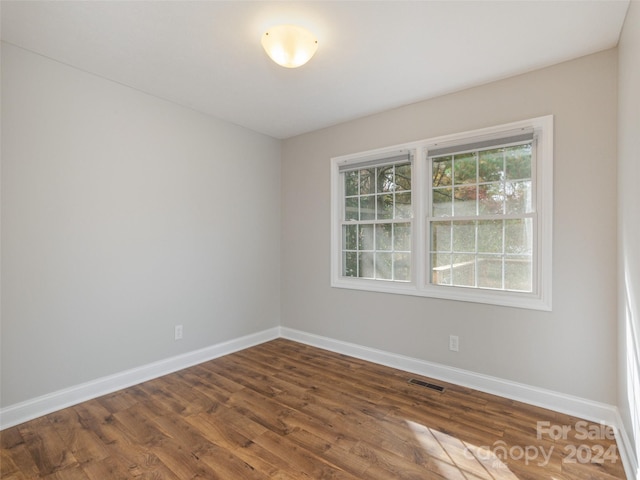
(282, 410)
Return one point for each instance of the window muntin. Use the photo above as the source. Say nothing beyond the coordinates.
(482, 218)
(376, 224)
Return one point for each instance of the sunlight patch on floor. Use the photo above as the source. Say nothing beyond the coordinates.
(470, 460)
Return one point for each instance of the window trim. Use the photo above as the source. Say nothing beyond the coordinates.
(542, 176)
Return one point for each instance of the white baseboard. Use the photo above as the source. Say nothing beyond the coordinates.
(627, 452)
(37, 407)
(556, 401)
(559, 402)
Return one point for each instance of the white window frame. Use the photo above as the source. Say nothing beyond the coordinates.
(542, 177)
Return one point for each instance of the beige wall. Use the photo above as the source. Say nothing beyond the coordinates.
(571, 349)
(629, 225)
(122, 216)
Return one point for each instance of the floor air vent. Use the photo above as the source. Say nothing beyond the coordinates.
(432, 386)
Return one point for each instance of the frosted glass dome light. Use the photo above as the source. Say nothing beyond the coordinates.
(289, 45)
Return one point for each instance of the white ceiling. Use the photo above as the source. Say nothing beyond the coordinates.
(372, 55)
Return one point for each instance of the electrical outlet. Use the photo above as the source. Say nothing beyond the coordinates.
(453, 343)
(178, 332)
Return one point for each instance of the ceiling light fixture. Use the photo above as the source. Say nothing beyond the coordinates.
(289, 46)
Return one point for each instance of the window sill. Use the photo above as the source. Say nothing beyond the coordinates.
(529, 301)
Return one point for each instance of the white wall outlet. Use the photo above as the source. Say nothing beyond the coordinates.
(178, 332)
(453, 343)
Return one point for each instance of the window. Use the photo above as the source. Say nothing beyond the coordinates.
(376, 225)
(464, 217)
(481, 218)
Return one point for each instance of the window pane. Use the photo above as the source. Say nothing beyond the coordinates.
(403, 205)
(465, 200)
(492, 182)
(464, 270)
(366, 237)
(371, 247)
(402, 237)
(518, 160)
(367, 207)
(519, 197)
(385, 206)
(464, 236)
(490, 236)
(491, 165)
(490, 271)
(385, 179)
(403, 177)
(518, 236)
(441, 236)
(350, 237)
(351, 183)
(442, 204)
(441, 268)
(366, 265)
(517, 273)
(402, 267)
(441, 172)
(464, 168)
(367, 184)
(351, 208)
(383, 266)
(350, 264)
(491, 199)
(383, 237)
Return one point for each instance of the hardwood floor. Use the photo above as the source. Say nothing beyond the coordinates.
(287, 411)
